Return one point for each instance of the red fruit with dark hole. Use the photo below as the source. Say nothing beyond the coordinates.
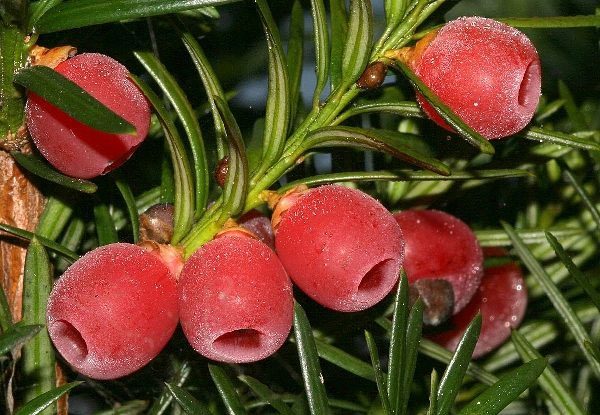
(235, 300)
(487, 72)
(341, 247)
(74, 148)
(502, 300)
(259, 225)
(439, 245)
(113, 311)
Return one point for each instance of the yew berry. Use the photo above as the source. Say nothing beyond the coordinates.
(441, 246)
(487, 72)
(74, 148)
(502, 301)
(235, 300)
(340, 246)
(113, 310)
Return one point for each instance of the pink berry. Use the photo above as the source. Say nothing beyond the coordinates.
(439, 245)
(487, 72)
(113, 311)
(259, 225)
(235, 300)
(502, 301)
(74, 148)
(341, 247)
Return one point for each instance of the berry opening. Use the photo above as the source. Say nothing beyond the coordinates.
(529, 89)
(240, 345)
(376, 280)
(69, 341)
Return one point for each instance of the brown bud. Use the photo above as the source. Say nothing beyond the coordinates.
(373, 76)
(39, 55)
(438, 299)
(156, 223)
(221, 171)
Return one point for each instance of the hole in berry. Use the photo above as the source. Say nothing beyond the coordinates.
(529, 90)
(69, 342)
(240, 345)
(377, 279)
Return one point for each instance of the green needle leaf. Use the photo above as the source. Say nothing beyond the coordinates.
(16, 336)
(433, 392)
(455, 372)
(437, 352)
(81, 13)
(344, 360)
(379, 375)
(393, 143)
(184, 182)
(309, 363)
(224, 385)
(37, 405)
(555, 389)
(48, 243)
(72, 99)
(38, 167)
(446, 113)
(187, 402)
(556, 137)
(267, 394)
(413, 337)
(295, 56)
(129, 200)
(6, 320)
(38, 359)
(580, 191)
(553, 22)
(236, 184)
(189, 121)
(398, 345)
(562, 306)
(339, 34)
(277, 113)
(321, 35)
(581, 279)
(402, 108)
(105, 226)
(404, 176)
(508, 388)
(211, 84)
(358, 40)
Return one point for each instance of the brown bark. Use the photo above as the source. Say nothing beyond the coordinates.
(21, 204)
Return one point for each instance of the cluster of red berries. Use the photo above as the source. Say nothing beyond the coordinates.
(115, 308)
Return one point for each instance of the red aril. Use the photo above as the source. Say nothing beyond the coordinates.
(113, 310)
(340, 246)
(502, 301)
(487, 72)
(74, 148)
(441, 246)
(235, 300)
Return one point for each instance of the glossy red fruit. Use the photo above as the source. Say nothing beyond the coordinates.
(502, 301)
(341, 247)
(74, 148)
(113, 311)
(487, 72)
(439, 245)
(235, 300)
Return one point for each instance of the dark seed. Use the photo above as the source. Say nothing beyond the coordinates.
(156, 223)
(438, 299)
